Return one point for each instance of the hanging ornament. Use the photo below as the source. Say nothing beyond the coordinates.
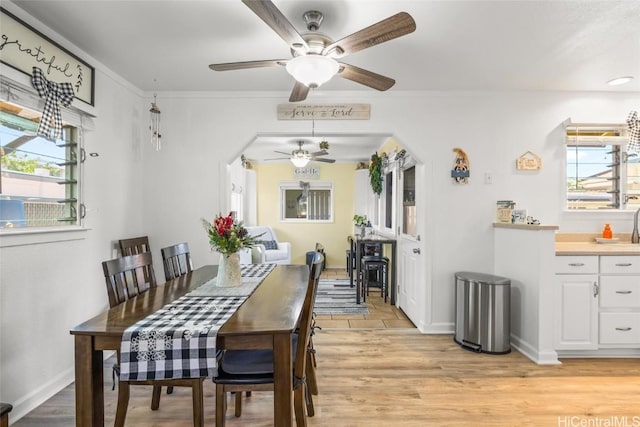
(156, 137)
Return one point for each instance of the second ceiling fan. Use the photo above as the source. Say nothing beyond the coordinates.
(300, 157)
(315, 56)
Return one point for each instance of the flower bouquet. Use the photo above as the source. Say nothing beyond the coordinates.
(227, 237)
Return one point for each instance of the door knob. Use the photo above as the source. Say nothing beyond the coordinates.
(416, 250)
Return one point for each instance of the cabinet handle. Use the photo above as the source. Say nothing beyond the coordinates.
(576, 264)
(623, 292)
(626, 329)
(595, 289)
(624, 264)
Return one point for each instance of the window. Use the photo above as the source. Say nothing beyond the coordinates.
(39, 178)
(600, 172)
(306, 201)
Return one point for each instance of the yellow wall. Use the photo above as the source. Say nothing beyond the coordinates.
(303, 237)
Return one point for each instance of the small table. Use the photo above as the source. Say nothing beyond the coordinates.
(360, 243)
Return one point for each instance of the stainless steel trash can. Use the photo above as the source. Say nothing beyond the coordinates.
(483, 313)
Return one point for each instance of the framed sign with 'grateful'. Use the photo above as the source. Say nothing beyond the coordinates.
(23, 47)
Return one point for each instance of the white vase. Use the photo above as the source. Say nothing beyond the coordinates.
(229, 271)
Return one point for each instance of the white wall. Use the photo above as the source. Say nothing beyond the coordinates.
(206, 130)
(51, 283)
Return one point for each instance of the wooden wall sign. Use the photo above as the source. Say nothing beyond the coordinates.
(324, 112)
(529, 162)
(23, 47)
(308, 172)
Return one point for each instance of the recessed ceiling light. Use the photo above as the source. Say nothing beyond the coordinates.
(620, 81)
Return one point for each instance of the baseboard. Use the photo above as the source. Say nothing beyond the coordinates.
(437, 328)
(530, 352)
(37, 397)
(31, 401)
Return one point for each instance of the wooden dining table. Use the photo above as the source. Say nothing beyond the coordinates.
(266, 320)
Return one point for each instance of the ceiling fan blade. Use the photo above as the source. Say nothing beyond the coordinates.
(247, 64)
(365, 77)
(271, 15)
(282, 152)
(324, 160)
(388, 29)
(278, 158)
(319, 153)
(299, 92)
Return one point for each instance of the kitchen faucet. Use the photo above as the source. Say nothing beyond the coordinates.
(635, 236)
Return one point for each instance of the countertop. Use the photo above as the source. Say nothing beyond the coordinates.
(584, 244)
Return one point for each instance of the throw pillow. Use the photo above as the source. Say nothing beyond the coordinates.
(268, 244)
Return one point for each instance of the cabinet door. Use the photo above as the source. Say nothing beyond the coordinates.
(576, 312)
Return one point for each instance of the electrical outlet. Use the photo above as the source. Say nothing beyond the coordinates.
(488, 178)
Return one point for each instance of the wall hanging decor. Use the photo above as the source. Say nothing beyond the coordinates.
(375, 173)
(529, 161)
(634, 132)
(50, 126)
(23, 48)
(460, 172)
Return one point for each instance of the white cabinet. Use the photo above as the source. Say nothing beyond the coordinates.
(576, 311)
(597, 302)
(620, 301)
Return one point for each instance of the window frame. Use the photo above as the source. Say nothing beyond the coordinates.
(619, 167)
(313, 185)
(72, 120)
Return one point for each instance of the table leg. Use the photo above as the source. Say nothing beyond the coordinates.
(89, 383)
(358, 271)
(283, 381)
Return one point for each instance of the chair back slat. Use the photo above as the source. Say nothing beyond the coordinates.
(128, 276)
(133, 246)
(306, 317)
(176, 260)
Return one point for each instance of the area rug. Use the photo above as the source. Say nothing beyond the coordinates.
(337, 297)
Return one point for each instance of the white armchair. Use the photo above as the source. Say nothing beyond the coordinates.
(268, 249)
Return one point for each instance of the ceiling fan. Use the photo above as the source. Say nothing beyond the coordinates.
(315, 55)
(300, 157)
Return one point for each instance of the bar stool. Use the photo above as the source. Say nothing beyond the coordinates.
(351, 257)
(379, 265)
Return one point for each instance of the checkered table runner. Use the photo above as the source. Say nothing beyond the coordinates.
(256, 270)
(177, 341)
(252, 276)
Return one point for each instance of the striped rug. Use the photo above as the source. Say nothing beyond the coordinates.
(337, 297)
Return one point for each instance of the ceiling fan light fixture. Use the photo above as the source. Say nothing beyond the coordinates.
(312, 70)
(300, 161)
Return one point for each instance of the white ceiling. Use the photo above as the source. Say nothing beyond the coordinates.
(470, 45)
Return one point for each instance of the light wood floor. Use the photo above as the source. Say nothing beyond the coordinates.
(381, 314)
(399, 377)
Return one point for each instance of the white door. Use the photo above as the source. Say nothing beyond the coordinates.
(413, 260)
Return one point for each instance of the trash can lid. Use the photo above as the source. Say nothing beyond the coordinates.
(488, 279)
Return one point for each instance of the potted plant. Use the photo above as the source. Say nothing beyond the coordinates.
(360, 222)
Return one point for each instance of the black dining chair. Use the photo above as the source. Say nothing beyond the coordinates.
(252, 370)
(127, 277)
(176, 260)
(133, 246)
